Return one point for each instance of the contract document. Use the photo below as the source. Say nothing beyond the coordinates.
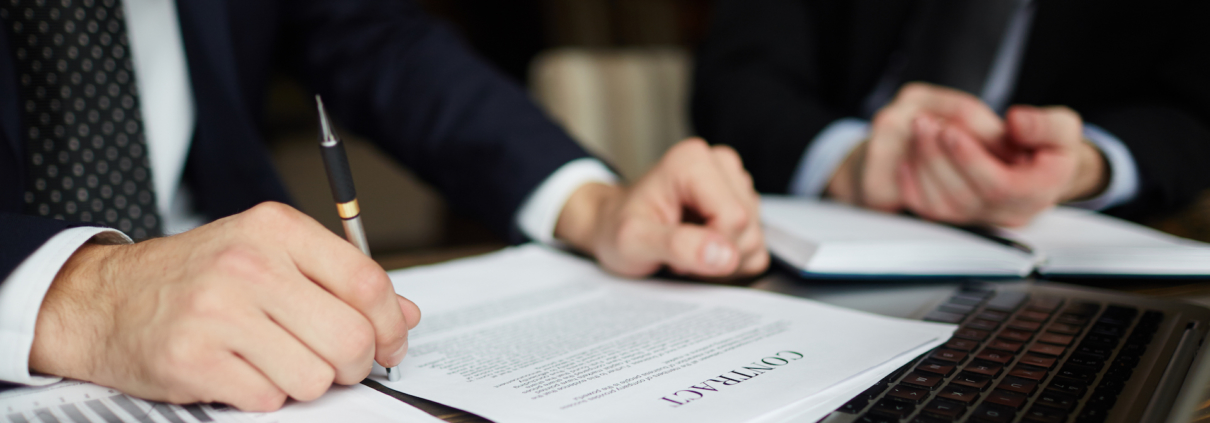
(532, 334)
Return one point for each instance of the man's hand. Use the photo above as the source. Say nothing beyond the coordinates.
(246, 311)
(952, 176)
(868, 176)
(695, 212)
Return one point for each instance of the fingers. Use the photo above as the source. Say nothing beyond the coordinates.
(233, 381)
(333, 330)
(989, 177)
(342, 270)
(754, 258)
(280, 357)
(1044, 127)
(957, 106)
(702, 184)
(694, 250)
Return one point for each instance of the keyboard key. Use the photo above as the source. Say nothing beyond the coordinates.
(944, 317)
(946, 409)
(925, 418)
(984, 368)
(1095, 350)
(1068, 386)
(1018, 385)
(956, 308)
(908, 393)
(1064, 329)
(1007, 301)
(962, 344)
(1025, 325)
(1033, 316)
(982, 324)
(1056, 339)
(877, 418)
(1046, 349)
(1087, 361)
(892, 408)
(960, 393)
(854, 405)
(1015, 335)
(995, 356)
(1028, 372)
(1075, 371)
(923, 380)
(1085, 309)
(1093, 415)
(1044, 414)
(1002, 345)
(1037, 360)
(995, 316)
(1008, 399)
(1072, 319)
(1045, 304)
(1114, 331)
(992, 413)
(949, 356)
(1056, 399)
(935, 367)
(973, 334)
(972, 380)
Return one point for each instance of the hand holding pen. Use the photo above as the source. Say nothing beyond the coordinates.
(340, 177)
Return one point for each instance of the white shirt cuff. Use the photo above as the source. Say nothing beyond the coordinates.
(828, 150)
(21, 298)
(1123, 172)
(540, 213)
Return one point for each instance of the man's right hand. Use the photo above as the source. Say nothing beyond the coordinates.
(247, 311)
(868, 177)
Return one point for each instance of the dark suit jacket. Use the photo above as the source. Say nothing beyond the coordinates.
(773, 73)
(385, 70)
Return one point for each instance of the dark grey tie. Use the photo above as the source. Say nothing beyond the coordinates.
(87, 156)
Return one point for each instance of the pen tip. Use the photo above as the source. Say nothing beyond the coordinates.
(326, 135)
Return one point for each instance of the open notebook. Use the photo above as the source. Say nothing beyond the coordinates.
(829, 240)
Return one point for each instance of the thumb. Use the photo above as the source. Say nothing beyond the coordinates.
(1035, 127)
(696, 250)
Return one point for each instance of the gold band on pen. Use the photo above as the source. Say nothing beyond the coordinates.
(348, 210)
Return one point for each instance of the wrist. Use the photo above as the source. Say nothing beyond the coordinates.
(843, 185)
(74, 314)
(581, 215)
(1091, 176)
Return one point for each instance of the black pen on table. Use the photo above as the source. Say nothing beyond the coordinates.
(340, 177)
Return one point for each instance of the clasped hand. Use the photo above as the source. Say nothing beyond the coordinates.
(944, 155)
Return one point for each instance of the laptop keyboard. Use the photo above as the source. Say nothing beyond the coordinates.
(1015, 357)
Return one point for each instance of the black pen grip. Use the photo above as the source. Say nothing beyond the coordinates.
(340, 176)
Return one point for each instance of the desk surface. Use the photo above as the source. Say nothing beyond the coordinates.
(1197, 292)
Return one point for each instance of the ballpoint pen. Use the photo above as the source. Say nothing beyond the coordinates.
(340, 177)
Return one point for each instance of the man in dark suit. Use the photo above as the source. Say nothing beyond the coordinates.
(908, 105)
(142, 116)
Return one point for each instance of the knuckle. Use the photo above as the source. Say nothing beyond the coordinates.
(357, 345)
(272, 214)
(207, 301)
(369, 282)
(241, 261)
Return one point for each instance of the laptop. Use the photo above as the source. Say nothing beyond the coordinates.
(1030, 351)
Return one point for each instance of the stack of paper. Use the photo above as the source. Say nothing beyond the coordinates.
(535, 335)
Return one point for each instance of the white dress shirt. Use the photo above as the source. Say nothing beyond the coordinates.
(834, 143)
(166, 100)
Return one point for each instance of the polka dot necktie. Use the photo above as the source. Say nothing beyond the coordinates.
(87, 156)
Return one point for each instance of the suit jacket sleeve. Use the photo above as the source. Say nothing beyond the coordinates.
(21, 235)
(1164, 118)
(393, 74)
(759, 86)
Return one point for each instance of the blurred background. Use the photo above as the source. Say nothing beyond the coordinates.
(615, 73)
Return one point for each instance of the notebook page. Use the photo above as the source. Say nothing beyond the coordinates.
(1082, 242)
(827, 238)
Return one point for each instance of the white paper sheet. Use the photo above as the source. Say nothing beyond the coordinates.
(534, 335)
(81, 402)
(1082, 242)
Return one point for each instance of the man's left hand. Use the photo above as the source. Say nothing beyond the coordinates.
(695, 212)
